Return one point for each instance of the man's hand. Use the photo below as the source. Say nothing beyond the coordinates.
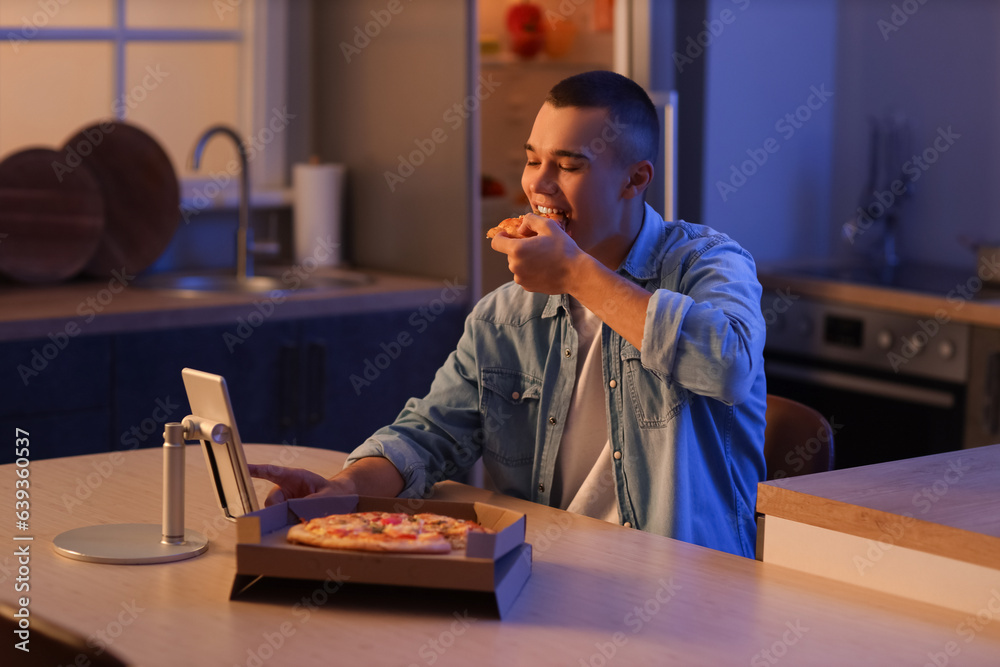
(370, 476)
(552, 263)
(543, 262)
(298, 483)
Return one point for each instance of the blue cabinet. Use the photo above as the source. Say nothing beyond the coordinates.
(359, 370)
(59, 390)
(149, 391)
(323, 382)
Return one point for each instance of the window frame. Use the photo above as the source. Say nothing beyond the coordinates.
(262, 86)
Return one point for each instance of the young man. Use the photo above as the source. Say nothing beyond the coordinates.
(620, 375)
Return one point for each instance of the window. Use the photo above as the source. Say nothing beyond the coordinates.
(173, 68)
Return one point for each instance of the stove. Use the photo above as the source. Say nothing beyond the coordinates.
(897, 385)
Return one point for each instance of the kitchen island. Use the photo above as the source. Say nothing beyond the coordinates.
(598, 594)
(926, 528)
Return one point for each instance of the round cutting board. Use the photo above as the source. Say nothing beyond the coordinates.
(51, 216)
(141, 195)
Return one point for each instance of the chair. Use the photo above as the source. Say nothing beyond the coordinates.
(798, 440)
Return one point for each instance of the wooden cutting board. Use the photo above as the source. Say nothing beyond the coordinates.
(141, 195)
(51, 216)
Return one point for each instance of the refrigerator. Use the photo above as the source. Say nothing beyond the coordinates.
(422, 100)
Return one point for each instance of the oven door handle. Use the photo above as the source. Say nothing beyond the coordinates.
(861, 385)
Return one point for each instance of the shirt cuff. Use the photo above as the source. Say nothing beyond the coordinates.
(411, 468)
(664, 314)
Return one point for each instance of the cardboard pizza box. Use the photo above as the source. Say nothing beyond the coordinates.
(497, 564)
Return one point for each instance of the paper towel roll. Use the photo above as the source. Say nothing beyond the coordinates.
(318, 201)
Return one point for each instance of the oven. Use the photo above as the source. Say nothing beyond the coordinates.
(892, 385)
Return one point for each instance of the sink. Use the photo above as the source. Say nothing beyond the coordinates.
(270, 279)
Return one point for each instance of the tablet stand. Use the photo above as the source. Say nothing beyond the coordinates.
(140, 543)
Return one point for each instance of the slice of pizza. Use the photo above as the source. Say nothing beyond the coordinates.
(456, 531)
(509, 227)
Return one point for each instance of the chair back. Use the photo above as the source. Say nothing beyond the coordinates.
(798, 440)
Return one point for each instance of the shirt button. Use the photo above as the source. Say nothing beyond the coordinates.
(552, 420)
(618, 456)
(541, 487)
(515, 395)
(627, 524)
(568, 353)
(613, 384)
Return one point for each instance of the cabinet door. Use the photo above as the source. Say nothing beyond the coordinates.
(149, 391)
(58, 389)
(370, 365)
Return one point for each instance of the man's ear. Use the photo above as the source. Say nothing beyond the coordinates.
(640, 176)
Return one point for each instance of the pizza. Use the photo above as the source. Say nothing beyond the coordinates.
(386, 531)
(509, 227)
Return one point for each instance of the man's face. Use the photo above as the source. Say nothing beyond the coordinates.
(572, 170)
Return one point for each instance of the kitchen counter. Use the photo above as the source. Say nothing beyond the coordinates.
(950, 295)
(927, 528)
(95, 307)
(597, 591)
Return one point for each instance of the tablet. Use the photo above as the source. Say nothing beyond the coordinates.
(210, 407)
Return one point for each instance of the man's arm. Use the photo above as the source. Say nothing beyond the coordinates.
(371, 476)
(707, 335)
(620, 303)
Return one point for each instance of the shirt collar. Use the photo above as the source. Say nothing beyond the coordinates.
(641, 261)
(554, 303)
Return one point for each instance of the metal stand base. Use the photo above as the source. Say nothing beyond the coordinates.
(138, 543)
(127, 544)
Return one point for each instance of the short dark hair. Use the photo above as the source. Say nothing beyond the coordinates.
(627, 105)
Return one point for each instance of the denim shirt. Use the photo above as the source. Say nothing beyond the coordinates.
(685, 414)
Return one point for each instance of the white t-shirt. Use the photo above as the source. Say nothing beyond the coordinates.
(584, 480)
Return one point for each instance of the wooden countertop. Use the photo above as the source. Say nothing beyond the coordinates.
(95, 307)
(968, 300)
(945, 504)
(597, 592)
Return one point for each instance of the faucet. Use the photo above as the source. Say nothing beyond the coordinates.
(244, 235)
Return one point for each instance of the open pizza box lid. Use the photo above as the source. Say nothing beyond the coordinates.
(496, 565)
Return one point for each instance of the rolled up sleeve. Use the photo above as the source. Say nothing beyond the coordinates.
(707, 335)
(433, 438)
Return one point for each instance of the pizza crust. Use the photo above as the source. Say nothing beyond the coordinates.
(456, 531)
